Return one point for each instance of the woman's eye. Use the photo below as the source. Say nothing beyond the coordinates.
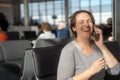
(89, 21)
(81, 22)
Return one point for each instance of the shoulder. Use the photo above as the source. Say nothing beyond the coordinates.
(69, 48)
(67, 53)
(41, 35)
(52, 35)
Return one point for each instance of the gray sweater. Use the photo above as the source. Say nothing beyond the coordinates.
(73, 61)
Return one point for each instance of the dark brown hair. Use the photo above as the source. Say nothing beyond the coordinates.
(73, 19)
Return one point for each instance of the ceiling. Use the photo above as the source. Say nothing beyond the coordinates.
(9, 1)
(14, 1)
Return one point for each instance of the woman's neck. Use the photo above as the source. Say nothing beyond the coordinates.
(86, 46)
(85, 43)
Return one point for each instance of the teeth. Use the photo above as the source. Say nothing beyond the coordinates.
(85, 29)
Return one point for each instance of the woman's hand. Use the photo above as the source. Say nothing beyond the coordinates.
(98, 65)
(98, 42)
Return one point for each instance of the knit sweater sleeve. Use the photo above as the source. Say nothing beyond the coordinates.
(115, 70)
(66, 65)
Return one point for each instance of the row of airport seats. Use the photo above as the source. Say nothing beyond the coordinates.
(46, 62)
(15, 35)
(12, 59)
(46, 56)
(16, 59)
(53, 46)
(21, 62)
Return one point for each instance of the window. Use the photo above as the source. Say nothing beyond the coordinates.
(44, 11)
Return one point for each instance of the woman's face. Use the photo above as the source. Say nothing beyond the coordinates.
(84, 25)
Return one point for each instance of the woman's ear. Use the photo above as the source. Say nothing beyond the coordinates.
(73, 28)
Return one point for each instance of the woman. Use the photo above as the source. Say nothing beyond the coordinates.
(46, 34)
(85, 58)
(4, 25)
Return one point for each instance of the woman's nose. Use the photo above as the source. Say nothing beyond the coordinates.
(86, 23)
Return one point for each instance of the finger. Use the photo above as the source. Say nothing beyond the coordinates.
(97, 30)
(100, 59)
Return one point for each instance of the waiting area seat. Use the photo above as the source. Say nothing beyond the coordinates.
(13, 57)
(52, 42)
(13, 35)
(29, 35)
(114, 47)
(28, 73)
(45, 65)
(46, 62)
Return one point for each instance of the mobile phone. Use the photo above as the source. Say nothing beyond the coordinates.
(96, 35)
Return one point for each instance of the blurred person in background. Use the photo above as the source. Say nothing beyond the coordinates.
(39, 30)
(62, 30)
(47, 33)
(3, 22)
(107, 30)
(3, 36)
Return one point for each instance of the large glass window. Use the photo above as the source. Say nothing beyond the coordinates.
(35, 15)
(46, 11)
(53, 11)
(85, 4)
(106, 9)
(22, 10)
(95, 9)
(74, 5)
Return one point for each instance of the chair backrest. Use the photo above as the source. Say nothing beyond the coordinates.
(46, 61)
(66, 40)
(30, 35)
(45, 43)
(13, 51)
(28, 65)
(1, 55)
(13, 35)
(52, 42)
(114, 47)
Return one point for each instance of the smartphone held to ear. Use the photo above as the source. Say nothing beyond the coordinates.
(96, 36)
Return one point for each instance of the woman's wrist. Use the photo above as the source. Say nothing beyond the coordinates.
(102, 47)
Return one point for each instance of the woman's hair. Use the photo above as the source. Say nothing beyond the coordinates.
(46, 26)
(73, 19)
(2, 16)
(39, 26)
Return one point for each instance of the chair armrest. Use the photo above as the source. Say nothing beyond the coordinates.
(12, 67)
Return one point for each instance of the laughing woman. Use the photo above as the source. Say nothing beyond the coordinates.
(85, 58)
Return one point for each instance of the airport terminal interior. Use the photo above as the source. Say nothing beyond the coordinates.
(30, 13)
(19, 43)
